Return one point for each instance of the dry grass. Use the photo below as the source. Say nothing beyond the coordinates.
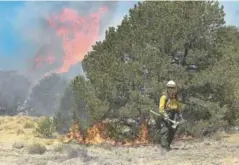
(36, 148)
(233, 139)
(18, 145)
(230, 160)
(17, 133)
(21, 128)
(29, 124)
(59, 148)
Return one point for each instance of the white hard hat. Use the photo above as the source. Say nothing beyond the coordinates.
(171, 84)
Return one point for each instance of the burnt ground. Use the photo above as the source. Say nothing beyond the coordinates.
(217, 150)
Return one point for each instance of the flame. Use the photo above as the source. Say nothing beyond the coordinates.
(77, 35)
(143, 137)
(98, 134)
(74, 133)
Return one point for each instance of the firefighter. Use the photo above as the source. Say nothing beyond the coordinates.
(169, 108)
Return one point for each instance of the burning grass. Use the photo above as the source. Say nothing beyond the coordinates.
(98, 134)
(24, 129)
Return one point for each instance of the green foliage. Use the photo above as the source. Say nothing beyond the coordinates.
(120, 131)
(205, 118)
(137, 55)
(46, 95)
(87, 108)
(45, 127)
(63, 118)
(156, 42)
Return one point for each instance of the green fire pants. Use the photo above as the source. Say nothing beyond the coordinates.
(167, 132)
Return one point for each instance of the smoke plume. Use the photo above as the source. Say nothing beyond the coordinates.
(56, 32)
(57, 36)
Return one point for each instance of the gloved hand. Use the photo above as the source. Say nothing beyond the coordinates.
(166, 116)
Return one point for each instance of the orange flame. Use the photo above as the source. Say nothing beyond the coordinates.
(98, 134)
(74, 133)
(78, 34)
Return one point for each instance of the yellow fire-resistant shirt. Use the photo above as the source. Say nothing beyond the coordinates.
(171, 104)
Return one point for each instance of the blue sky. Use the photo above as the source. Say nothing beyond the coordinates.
(11, 42)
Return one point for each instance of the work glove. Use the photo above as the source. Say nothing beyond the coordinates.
(166, 116)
